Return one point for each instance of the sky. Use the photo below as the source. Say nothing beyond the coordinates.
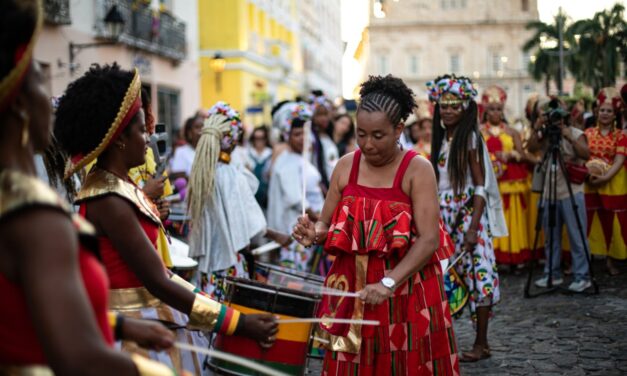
(577, 9)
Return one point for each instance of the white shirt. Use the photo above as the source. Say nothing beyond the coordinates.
(183, 159)
(285, 191)
(229, 220)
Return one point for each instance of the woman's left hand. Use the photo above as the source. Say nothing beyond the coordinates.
(375, 293)
(470, 240)
(597, 181)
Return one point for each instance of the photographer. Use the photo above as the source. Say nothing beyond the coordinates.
(554, 131)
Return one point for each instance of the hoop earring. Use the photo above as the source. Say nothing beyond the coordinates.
(25, 131)
(398, 142)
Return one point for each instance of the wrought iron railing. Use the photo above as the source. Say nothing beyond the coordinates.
(57, 12)
(146, 29)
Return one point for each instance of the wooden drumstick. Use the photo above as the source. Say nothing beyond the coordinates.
(328, 321)
(230, 358)
(306, 142)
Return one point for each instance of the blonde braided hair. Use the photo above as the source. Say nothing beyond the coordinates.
(201, 179)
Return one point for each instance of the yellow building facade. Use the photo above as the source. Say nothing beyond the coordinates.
(249, 54)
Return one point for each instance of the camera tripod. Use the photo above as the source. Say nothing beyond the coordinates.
(553, 160)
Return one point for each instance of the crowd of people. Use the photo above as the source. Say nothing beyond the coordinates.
(378, 202)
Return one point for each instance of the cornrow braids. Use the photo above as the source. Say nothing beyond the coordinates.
(389, 95)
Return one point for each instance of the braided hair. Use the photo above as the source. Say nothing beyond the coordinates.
(389, 95)
(466, 131)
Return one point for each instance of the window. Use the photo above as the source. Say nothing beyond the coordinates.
(455, 64)
(383, 65)
(413, 65)
(495, 62)
(525, 5)
(169, 110)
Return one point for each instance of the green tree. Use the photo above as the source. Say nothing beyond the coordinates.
(602, 46)
(545, 64)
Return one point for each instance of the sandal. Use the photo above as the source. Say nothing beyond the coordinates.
(471, 357)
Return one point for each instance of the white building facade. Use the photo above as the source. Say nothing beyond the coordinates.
(321, 45)
(418, 40)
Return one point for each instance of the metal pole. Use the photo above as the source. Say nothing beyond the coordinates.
(560, 25)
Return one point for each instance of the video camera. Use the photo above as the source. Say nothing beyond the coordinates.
(553, 119)
(159, 145)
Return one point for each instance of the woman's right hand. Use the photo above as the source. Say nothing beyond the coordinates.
(260, 327)
(304, 231)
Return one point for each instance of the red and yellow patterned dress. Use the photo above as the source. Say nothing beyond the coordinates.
(371, 231)
(514, 188)
(607, 205)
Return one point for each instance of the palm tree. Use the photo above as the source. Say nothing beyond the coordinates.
(545, 64)
(602, 45)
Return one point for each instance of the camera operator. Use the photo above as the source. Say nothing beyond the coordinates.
(552, 131)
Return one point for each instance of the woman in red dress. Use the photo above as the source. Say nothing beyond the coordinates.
(100, 117)
(53, 294)
(381, 221)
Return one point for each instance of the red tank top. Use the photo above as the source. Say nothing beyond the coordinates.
(19, 344)
(377, 220)
(120, 274)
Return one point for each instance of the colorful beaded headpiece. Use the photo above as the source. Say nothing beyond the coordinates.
(131, 104)
(284, 116)
(10, 84)
(230, 137)
(461, 87)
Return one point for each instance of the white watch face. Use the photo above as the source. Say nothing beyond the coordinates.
(388, 282)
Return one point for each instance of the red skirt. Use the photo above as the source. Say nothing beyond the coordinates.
(415, 335)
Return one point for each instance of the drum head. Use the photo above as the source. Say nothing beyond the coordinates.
(270, 299)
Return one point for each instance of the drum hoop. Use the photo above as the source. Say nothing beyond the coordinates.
(279, 290)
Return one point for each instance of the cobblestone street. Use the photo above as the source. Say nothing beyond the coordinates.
(555, 334)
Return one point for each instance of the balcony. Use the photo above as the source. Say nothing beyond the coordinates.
(57, 12)
(146, 29)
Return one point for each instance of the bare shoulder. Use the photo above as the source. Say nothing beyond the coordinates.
(420, 167)
(345, 163)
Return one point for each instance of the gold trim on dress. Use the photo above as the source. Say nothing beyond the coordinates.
(133, 94)
(11, 81)
(100, 182)
(18, 190)
(204, 315)
(34, 370)
(352, 342)
(131, 299)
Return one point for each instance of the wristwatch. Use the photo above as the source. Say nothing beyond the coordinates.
(388, 282)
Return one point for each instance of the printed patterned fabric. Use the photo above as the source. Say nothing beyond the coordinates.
(477, 268)
(456, 291)
(213, 284)
(606, 206)
(604, 147)
(296, 257)
(416, 332)
(415, 335)
(362, 225)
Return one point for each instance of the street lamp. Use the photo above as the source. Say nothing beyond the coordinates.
(551, 44)
(217, 64)
(114, 22)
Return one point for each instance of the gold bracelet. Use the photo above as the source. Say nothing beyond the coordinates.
(204, 315)
(147, 367)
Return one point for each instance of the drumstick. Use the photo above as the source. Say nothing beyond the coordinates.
(265, 248)
(230, 358)
(307, 135)
(328, 321)
(455, 261)
(321, 340)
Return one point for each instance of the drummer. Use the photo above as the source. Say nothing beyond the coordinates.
(225, 214)
(100, 116)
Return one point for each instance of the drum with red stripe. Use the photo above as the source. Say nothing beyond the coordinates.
(289, 352)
